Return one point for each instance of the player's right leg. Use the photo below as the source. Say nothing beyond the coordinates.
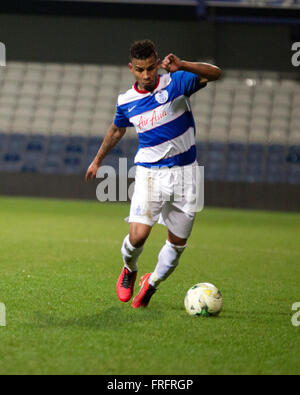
(144, 212)
(132, 248)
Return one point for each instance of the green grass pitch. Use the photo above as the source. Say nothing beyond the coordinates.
(59, 263)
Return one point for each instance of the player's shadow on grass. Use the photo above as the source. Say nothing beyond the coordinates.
(112, 318)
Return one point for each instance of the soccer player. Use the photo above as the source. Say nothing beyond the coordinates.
(158, 106)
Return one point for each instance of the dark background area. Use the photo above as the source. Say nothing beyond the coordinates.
(97, 33)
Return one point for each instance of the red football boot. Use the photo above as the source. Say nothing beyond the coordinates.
(142, 299)
(125, 284)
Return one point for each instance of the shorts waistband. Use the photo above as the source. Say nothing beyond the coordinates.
(166, 169)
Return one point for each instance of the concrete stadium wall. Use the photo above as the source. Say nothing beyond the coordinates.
(281, 197)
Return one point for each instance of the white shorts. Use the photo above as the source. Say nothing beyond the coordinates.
(167, 196)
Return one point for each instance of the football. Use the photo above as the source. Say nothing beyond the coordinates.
(203, 299)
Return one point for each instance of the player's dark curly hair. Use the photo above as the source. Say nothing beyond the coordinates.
(143, 49)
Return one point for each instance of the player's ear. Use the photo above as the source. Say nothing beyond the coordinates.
(130, 66)
(158, 63)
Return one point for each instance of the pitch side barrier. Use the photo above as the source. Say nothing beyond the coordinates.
(264, 196)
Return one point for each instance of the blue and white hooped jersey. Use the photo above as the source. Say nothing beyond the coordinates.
(163, 120)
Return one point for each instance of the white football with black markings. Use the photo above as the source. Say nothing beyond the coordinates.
(203, 299)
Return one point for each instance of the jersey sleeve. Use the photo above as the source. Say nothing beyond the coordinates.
(121, 121)
(187, 83)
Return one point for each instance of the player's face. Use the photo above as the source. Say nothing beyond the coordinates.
(145, 72)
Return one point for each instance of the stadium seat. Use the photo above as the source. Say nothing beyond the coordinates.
(274, 174)
(16, 142)
(51, 76)
(293, 164)
(33, 75)
(255, 152)
(49, 89)
(5, 124)
(244, 122)
(73, 164)
(3, 142)
(34, 153)
(56, 144)
(21, 124)
(241, 110)
(67, 89)
(253, 172)
(72, 76)
(60, 126)
(40, 126)
(11, 162)
(80, 127)
(233, 172)
(52, 164)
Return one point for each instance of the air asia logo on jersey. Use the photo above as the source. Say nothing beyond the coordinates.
(146, 122)
(162, 97)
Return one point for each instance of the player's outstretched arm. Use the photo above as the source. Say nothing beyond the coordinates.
(206, 72)
(113, 136)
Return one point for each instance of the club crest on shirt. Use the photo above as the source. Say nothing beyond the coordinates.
(162, 97)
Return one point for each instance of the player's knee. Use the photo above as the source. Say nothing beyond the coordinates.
(176, 241)
(138, 234)
(138, 238)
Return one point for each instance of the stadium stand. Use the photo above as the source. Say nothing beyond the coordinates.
(54, 116)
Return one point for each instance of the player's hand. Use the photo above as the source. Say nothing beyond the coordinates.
(91, 171)
(171, 63)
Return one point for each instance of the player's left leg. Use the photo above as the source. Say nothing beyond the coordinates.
(168, 260)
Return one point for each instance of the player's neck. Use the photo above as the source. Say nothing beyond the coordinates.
(142, 89)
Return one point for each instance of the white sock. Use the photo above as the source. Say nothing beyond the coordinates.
(130, 254)
(168, 259)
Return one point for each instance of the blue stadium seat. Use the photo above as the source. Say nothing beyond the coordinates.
(11, 162)
(236, 152)
(293, 154)
(274, 173)
(92, 147)
(213, 172)
(216, 153)
(233, 171)
(293, 165)
(52, 164)
(16, 143)
(76, 145)
(255, 153)
(276, 154)
(56, 145)
(73, 164)
(253, 172)
(293, 173)
(34, 153)
(3, 142)
(129, 149)
(201, 149)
